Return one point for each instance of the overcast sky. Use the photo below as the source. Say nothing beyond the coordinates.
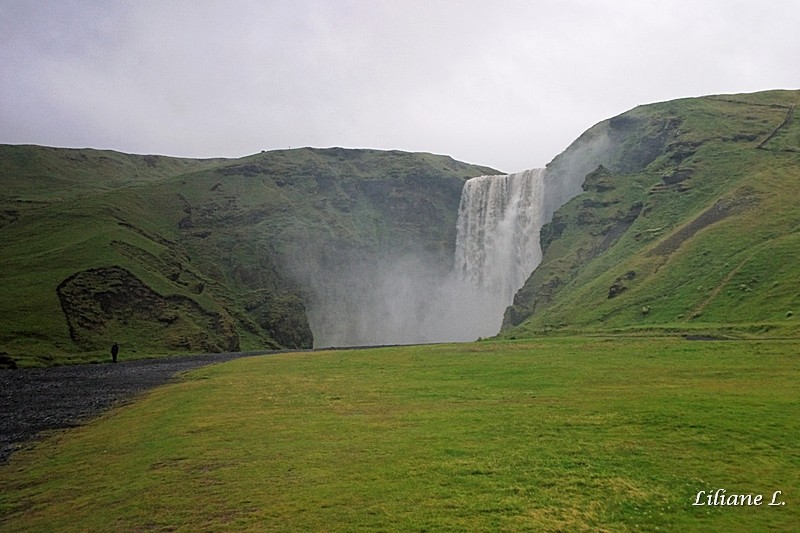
(508, 84)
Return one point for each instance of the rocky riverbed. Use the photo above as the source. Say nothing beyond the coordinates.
(37, 400)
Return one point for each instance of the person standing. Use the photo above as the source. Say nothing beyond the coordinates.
(114, 352)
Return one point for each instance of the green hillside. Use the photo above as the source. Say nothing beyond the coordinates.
(689, 221)
(171, 255)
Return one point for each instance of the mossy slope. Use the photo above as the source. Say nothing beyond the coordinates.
(688, 220)
(165, 255)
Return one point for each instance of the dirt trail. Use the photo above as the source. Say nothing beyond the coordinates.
(36, 400)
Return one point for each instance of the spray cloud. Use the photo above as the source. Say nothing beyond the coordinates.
(414, 298)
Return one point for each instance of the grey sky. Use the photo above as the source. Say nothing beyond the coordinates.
(502, 83)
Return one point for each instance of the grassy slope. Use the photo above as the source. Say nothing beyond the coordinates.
(558, 434)
(60, 217)
(214, 232)
(703, 236)
(38, 175)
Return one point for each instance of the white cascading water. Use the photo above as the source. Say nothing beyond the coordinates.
(497, 242)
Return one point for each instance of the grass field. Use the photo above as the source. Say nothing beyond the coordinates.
(553, 434)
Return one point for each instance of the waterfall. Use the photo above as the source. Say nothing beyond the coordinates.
(497, 242)
(411, 300)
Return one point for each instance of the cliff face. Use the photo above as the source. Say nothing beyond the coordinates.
(165, 255)
(685, 219)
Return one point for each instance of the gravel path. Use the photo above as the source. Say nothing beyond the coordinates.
(34, 400)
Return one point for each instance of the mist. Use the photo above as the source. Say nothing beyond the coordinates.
(357, 299)
(405, 300)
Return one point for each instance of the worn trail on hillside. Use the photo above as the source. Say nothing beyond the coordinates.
(37, 400)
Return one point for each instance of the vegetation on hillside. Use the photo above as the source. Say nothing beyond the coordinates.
(170, 255)
(688, 221)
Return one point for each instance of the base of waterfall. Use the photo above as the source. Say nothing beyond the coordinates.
(408, 300)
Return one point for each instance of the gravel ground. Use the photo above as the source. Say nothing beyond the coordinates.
(35, 400)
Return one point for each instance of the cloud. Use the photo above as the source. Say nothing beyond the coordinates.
(507, 84)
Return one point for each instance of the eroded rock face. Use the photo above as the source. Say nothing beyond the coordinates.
(284, 318)
(100, 304)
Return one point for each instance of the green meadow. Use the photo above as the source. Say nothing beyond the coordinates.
(550, 434)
